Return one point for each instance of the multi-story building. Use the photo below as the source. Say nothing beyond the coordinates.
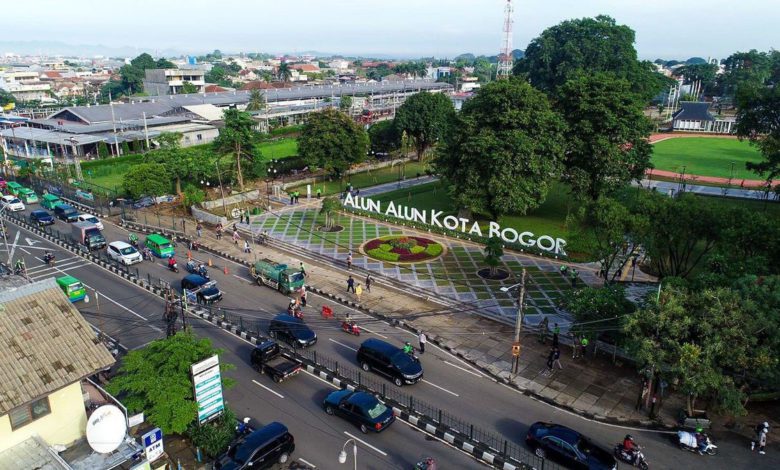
(25, 85)
(170, 81)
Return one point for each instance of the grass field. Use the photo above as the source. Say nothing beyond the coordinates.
(367, 178)
(279, 148)
(705, 157)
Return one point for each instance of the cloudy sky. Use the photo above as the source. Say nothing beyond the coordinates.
(444, 28)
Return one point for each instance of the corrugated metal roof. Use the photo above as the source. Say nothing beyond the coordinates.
(45, 344)
(52, 137)
(693, 111)
(208, 112)
(122, 111)
(77, 128)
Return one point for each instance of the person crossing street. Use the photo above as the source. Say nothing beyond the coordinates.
(423, 339)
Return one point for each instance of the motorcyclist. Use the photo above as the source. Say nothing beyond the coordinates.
(202, 270)
(171, 262)
(48, 257)
(20, 267)
(701, 440)
(408, 349)
(133, 239)
(630, 447)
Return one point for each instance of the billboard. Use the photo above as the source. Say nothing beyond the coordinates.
(207, 381)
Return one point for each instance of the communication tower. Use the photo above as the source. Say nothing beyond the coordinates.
(505, 58)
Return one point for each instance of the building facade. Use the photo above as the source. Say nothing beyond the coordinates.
(170, 81)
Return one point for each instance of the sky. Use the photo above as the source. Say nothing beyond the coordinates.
(405, 28)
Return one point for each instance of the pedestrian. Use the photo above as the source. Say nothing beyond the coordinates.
(199, 229)
(303, 296)
(423, 339)
(575, 346)
(319, 192)
(557, 358)
(351, 285)
(761, 431)
(247, 249)
(247, 217)
(349, 260)
(292, 197)
(297, 197)
(556, 332)
(543, 329)
(358, 291)
(236, 237)
(219, 231)
(584, 344)
(550, 360)
(369, 280)
(303, 269)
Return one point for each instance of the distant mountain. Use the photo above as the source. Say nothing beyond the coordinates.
(82, 50)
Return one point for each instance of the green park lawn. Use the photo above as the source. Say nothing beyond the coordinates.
(280, 148)
(705, 156)
(367, 178)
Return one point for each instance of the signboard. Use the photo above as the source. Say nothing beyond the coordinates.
(461, 224)
(135, 420)
(515, 349)
(207, 381)
(153, 444)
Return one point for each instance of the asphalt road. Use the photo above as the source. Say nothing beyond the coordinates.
(449, 382)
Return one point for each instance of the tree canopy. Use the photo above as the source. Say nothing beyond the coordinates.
(758, 120)
(132, 76)
(426, 117)
(333, 141)
(384, 137)
(147, 179)
(505, 148)
(237, 137)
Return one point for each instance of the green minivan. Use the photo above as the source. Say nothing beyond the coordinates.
(13, 187)
(72, 287)
(50, 201)
(160, 246)
(27, 196)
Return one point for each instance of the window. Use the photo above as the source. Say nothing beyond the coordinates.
(30, 412)
(199, 136)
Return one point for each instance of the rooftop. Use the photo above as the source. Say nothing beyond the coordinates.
(693, 111)
(48, 136)
(45, 344)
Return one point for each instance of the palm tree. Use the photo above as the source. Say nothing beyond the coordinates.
(256, 101)
(285, 72)
(329, 206)
(237, 137)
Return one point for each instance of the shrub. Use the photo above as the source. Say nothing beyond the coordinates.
(214, 437)
(383, 255)
(385, 247)
(417, 249)
(433, 249)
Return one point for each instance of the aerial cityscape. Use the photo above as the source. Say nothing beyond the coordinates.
(425, 235)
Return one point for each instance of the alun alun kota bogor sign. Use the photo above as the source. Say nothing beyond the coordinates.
(461, 224)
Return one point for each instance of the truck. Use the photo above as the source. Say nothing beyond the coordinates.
(89, 235)
(277, 276)
(267, 359)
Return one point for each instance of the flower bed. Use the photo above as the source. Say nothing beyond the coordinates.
(403, 249)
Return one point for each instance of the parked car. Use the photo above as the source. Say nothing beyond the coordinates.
(123, 253)
(568, 447)
(41, 217)
(28, 196)
(143, 202)
(362, 409)
(261, 449)
(292, 330)
(205, 291)
(267, 359)
(66, 212)
(91, 219)
(13, 203)
(390, 361)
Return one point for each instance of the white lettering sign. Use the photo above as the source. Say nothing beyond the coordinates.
(451, 222)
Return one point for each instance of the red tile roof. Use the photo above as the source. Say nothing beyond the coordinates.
(306, 67)
(214, 89)
(52, 74)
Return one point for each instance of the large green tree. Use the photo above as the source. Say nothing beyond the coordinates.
(156, 380)
(426, 117)
(505, 149)
(745, 69)
(704, 73)
(147, 179)
(333, 141)
(384, 137)
(237, 137)
(758, 120)
(607, 133)
(187, 88)
(177, 161)
(6, 98)
(586, 45)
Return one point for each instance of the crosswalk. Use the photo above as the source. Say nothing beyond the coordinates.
(44, 271)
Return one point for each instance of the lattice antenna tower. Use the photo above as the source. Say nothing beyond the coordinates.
(505, 59)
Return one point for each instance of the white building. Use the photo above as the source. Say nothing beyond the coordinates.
(25, 85)
(170, 81)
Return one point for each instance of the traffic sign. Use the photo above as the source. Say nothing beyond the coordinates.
(516, 349)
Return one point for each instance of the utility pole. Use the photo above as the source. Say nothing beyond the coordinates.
(518, 324)
(146, 132)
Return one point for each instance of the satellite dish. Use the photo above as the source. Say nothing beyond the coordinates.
(106, 429)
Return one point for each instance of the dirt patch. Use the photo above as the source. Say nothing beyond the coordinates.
(500, 274)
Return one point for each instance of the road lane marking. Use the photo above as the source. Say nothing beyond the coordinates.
(45, 274)
(243, 279)
(13, 247)
(415, 428)
(306, 462)
(463, 369)
(373, 332)
(45, 267)
(441, 388)
(342, 344)
(272, 391)
(384, 454)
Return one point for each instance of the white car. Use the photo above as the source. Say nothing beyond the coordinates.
(124, 253)
(91, 219)
(13, 203)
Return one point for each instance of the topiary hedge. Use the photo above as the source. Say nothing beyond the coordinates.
(433, 250)
(378, 253)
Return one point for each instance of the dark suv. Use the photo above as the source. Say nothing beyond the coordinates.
(390, 361)
(206, 291)
(66, 212)
(260, 449)
(568, 447)
(292, 330)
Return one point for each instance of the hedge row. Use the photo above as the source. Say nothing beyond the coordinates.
(379, 253)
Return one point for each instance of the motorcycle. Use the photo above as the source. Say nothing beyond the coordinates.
(627, 457)
(174, 267)
(133, 238)
(350, 328)
(295, 311)
(426, 464)
(48, 258)
(147, 254)
(688, 441)
(243, 427)
(194, 268)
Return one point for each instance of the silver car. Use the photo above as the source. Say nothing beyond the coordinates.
(123, 253)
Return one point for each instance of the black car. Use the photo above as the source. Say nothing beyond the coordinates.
(205, 291)
(360, 408)
(143, 202)
(66, 212)
(568, 447)
(41, 217)
(389, 360)
(260, 449)
(292, 330)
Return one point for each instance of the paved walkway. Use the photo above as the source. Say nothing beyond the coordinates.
(742, 183)
(668, 187)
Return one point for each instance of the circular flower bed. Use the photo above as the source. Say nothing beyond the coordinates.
(403, 249)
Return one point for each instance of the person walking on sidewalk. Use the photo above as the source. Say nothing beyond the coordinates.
(369, 280)
(423, 339)
(247, 249)
(543, 329)
(199, 229)
(556, 332)
(219, 231)
(303, 270)
(576, 347)
(358, 291)
(550, 360)
(319, 192)
(236, 237)
(557, 358)
(351, 285)
(349, 260)
(761, 431)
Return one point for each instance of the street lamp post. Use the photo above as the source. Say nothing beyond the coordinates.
(343, 453)
(221, 189)
(518, 320)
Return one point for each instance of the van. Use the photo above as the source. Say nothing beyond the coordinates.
(160, 246)
(72, 287)
(13, 187)
(28, 196)
(66, 212)
(261, 449)
(390, 361)
(50, 201)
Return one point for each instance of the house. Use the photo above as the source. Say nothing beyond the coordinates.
(306, 68)
(694, 116)
(170, 81)
(48, 351)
